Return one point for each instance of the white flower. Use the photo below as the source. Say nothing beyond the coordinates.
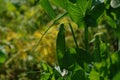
(63, 73)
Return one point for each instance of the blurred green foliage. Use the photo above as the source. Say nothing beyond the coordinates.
(22, 23)
(25, 16)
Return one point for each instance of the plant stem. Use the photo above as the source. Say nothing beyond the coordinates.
(86, 38)
(73, 35)
(118, 43)
(49, 27)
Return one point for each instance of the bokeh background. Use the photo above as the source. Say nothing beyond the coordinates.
(22, 23)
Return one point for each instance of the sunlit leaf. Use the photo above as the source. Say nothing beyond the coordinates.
(60, 3)
(84, 5)
(75, 13)
(48, 8)
(115, 58)
(111, 21)
(103, 51)
(94, 75)
(46, 76)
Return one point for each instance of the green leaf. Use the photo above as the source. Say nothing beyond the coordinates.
(115, 58)
(117, 76)
(2, 57)
(60, 78)
(46, 76)
(65, 56)
(68, 59)
(97, 11)
(48, 8)
(60, 3)
(96, 54)
(56, 73)
(72, 51)
(82, 57)
(60, 44)
(94, 75)
(110, 21)
(89, 5)
(46, 67)
(75, 13)
(78, 75)
(84, 5)
(103, 51)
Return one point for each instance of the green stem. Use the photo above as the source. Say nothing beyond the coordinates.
(118, 43)
(49, 27)
(73, 35)
(86, 38)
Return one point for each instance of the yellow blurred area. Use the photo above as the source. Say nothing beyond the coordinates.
(46, 47)
(22, 45)
(12, 35)
(44, 51)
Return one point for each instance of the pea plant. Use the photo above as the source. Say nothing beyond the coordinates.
(78, 63)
